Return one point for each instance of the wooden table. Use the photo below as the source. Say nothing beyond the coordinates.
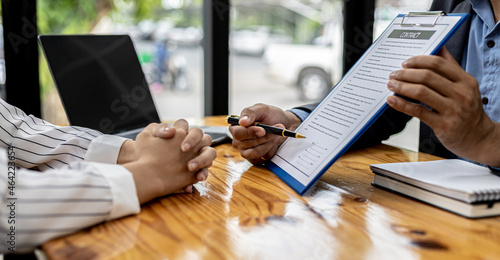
(246, 212)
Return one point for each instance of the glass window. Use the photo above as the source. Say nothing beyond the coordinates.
(167, 36)
(283, 53)
(289, 53)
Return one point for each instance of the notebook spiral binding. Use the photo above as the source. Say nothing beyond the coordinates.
(486, 195)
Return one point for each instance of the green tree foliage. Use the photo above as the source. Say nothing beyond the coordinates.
(70, 16)
(80, 17)
(146, 9)
(66, 17)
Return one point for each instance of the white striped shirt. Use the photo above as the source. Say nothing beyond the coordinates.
(79, 184)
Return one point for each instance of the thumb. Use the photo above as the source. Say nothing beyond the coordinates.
(164, 131)
(253, 114)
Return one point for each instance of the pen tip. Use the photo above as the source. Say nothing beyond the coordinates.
(300, 136)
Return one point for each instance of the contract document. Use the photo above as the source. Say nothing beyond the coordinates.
(359, 98)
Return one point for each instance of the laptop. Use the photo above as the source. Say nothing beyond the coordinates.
(102, 86)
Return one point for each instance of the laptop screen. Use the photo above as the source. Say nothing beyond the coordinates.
(100, 81)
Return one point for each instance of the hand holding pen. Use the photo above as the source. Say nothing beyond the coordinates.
(234, 120)
(253, 142)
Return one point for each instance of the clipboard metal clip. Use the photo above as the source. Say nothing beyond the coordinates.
(437, 14)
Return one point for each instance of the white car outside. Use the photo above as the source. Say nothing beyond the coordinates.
(253, 41)
(312, 68)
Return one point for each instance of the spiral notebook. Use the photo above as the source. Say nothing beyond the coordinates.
(456, 185)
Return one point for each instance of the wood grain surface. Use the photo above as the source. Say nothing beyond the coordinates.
(246, 212)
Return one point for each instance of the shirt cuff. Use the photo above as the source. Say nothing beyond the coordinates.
(104, 149)
(300, 113)
(123, 190)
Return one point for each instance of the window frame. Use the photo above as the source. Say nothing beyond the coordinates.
(21, 50)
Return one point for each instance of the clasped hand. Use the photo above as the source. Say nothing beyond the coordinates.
(170, 158)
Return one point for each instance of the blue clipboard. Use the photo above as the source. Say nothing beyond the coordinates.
(301, 188)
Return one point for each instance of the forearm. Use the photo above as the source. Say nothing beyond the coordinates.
(147, 185)
(127, 152)
(293, 120)
(62, 201)
(486, 150)
(40, 144)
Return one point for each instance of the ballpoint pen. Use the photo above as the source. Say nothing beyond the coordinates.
(234, 120)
